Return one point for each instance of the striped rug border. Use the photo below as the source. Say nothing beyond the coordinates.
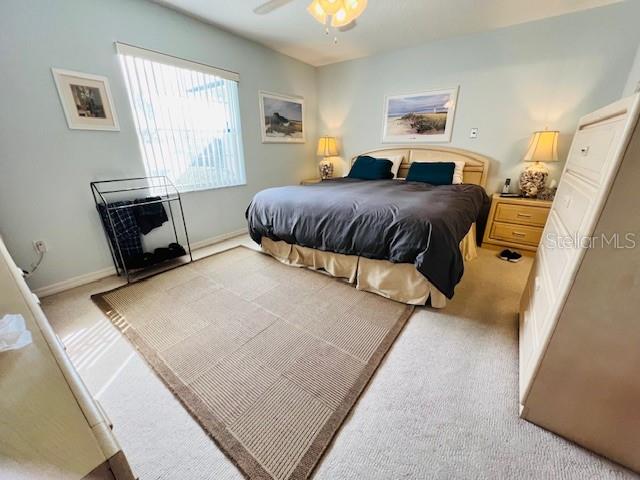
(233, 449)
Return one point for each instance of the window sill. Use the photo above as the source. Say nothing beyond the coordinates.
(206, 189)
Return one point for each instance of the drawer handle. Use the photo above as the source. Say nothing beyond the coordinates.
(584, 151)
(518, 234)
(524, 215)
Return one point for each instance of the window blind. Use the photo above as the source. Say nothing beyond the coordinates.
(187, 117)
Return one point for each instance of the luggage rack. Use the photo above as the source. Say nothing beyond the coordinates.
(105, 192)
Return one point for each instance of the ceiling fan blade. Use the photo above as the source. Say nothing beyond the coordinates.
(348, 26)
(270, 6)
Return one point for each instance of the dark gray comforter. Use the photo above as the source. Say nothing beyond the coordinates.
(404, 222)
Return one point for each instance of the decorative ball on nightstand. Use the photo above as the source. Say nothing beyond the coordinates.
(542, 148)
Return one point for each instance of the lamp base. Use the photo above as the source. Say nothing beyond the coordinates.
(325, 168)
(533, 180)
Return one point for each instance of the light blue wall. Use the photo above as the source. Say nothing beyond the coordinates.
(633, 82)
(512, 81)
(45, 168)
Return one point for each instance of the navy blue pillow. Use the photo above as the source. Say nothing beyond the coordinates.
(369, 168)
(435, 173)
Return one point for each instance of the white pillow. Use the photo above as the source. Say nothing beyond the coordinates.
(396, 160)
(458, 171)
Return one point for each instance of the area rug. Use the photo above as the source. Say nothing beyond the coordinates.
(269, 359)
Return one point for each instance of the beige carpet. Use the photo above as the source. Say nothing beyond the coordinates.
(268, 359)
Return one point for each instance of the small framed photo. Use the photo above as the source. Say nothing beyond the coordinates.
(86, 100)
(420, 117)
(281, 118)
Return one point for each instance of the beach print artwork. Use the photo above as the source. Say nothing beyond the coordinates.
(420, 118)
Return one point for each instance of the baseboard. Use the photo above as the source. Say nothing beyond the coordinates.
(74, 282)
(107, 272)
(217, 239)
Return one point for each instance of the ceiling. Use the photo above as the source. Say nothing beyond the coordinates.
(385, 25)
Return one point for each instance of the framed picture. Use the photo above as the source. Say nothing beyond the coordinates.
(86, 100)
(419, 117)
(281, 118)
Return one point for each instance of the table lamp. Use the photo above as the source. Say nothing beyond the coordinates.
(542, 148)
(327, 147)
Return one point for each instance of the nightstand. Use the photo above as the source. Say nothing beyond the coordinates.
(516, 222)
(310, 181)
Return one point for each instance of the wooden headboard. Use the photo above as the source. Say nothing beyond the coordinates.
(476, 167)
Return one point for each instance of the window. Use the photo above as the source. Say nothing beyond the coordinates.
(187, 117)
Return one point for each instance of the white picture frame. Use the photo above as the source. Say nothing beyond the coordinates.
(423, 117)
(281, 118)
(86, 100)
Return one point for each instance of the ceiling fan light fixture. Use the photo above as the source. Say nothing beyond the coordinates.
(331, 7)
(337, 13)
(355, 7)
(341, 18)
(317, 12)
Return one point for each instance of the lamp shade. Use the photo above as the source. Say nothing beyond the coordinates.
(317, 12)
(330, 7)
(350, 10)
(327, 147)
(543, 147)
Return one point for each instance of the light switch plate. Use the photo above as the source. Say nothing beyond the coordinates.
(473, 133)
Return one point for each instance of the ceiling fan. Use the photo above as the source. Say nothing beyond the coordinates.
(339, 14)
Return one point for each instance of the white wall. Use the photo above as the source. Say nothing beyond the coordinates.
(45, 168)
(512, 81)
(633, 82)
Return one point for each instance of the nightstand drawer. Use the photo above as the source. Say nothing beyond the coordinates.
(516, 233)
(521, 214)
(516, 222)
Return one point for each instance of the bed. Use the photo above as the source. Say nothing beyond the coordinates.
(403, 240)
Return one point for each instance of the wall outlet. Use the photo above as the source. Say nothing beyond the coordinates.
(473, 133)
(40, 246)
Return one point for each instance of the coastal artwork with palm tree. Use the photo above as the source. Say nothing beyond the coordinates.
(282, 118)
(420, 118)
